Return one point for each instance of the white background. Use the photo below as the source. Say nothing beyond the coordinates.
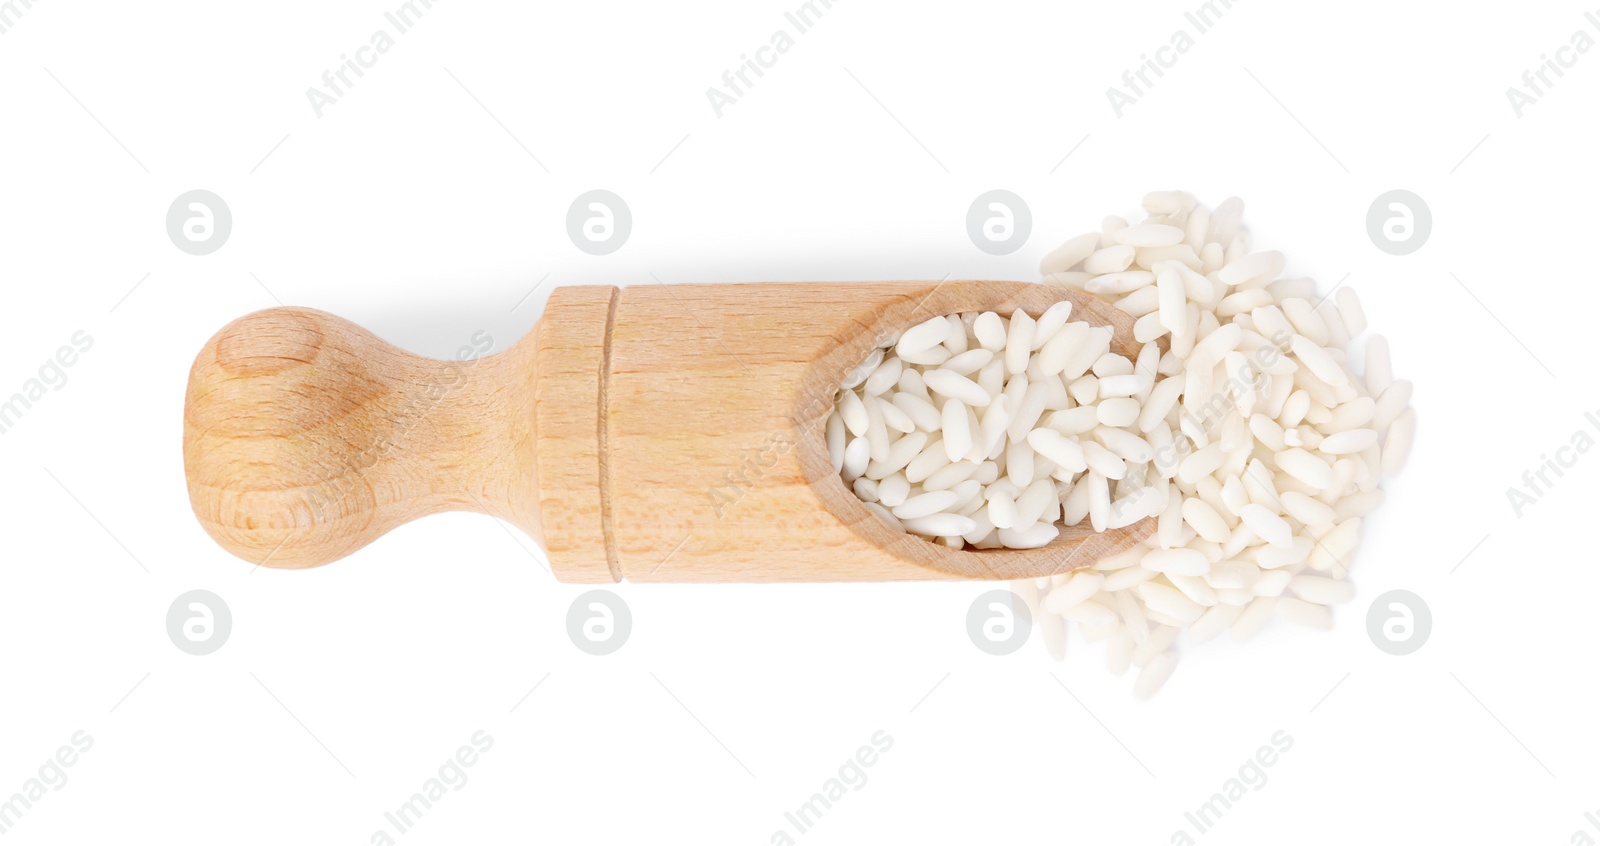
(431, 198)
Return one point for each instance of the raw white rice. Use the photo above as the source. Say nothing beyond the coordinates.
(1242, 427)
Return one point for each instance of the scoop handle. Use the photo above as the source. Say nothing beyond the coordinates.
(307, 437)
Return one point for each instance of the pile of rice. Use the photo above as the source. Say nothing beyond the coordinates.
(1250, 438)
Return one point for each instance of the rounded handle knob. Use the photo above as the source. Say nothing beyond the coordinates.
(306, 437)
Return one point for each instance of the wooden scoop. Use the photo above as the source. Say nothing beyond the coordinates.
(654, 433)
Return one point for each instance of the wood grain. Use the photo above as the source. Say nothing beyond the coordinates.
(719, 469)
(306, 437)
(653, 433)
